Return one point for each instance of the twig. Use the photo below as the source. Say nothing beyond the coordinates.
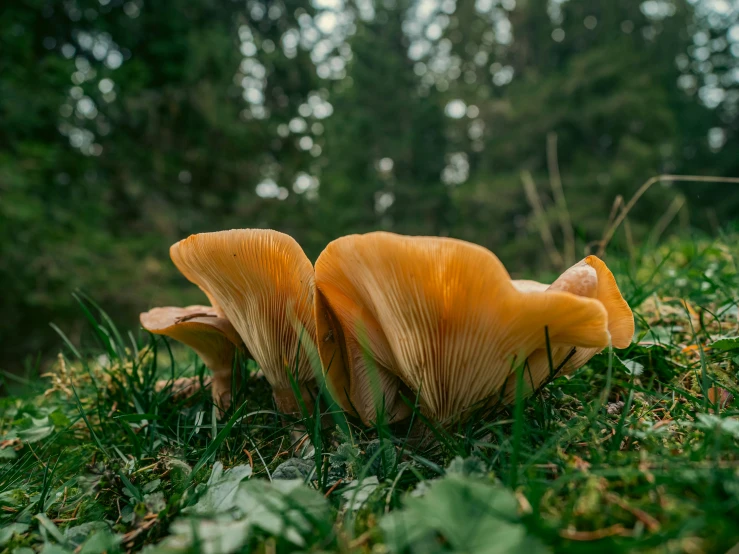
(361, 540)
(301, 442)
(555, 181)
(333, 488)
(649, 521)
(574, 535)
(661, 423)
(532, 196)
(672, 210)
(113, 409)
(617, 203)
(188, 317)
(248, 455)
(524, 506)
(645, 187)
(629, 239)
(131, 535)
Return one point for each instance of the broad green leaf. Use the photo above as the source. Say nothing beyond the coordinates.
(232, 508)
(711, 422)
(464, 514)
(59, 419)
(222, 488)
(212, 536)
(151, 486)
(284, 509)
(632, 367)
(78, 534)
(357, 493)
(7, 454)
(472, 467)
(383, 461)
(294, 468)
(726, 344)
(101, 542)
(155, 502)
(38, 430)
(51, 548)
(7, 531)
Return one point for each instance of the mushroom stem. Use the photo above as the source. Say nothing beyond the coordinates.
(212, 338)
(182, 387)
(288, 403)
(221, 386)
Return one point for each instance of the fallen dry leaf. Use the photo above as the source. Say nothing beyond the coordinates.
(16, 444)
(720, 397)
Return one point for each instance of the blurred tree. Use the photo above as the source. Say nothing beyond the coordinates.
(602, 76)
(126, 125)
(707, 99)
(45, 187)
(386, 142)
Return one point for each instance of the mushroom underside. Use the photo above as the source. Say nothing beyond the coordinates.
(442, 316)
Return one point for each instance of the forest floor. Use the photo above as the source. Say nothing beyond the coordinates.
(636, 452)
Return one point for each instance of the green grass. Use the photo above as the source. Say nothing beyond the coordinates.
(636, 452)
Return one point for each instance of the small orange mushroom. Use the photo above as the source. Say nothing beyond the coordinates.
(436, 315)
(212, 337)
(263, 283)
(589, 278)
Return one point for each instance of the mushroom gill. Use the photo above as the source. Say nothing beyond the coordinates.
(212, 337)
(263, 283)
(438, 315)
(589, 278)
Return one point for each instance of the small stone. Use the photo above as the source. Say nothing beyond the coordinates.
(614, 408)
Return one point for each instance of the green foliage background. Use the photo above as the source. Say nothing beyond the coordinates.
(126, 125)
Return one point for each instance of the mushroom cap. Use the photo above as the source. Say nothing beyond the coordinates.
(263, 283)
(212, 337)
(185, 324)
(589, 278)
(440, 314)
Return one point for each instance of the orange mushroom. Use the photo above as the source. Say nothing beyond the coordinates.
(436, 315)
(212, 337)
(589, 278)
(263, 283)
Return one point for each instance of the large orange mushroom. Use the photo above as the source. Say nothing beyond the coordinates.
(436, 315)
(211, 336)
(263, 283)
